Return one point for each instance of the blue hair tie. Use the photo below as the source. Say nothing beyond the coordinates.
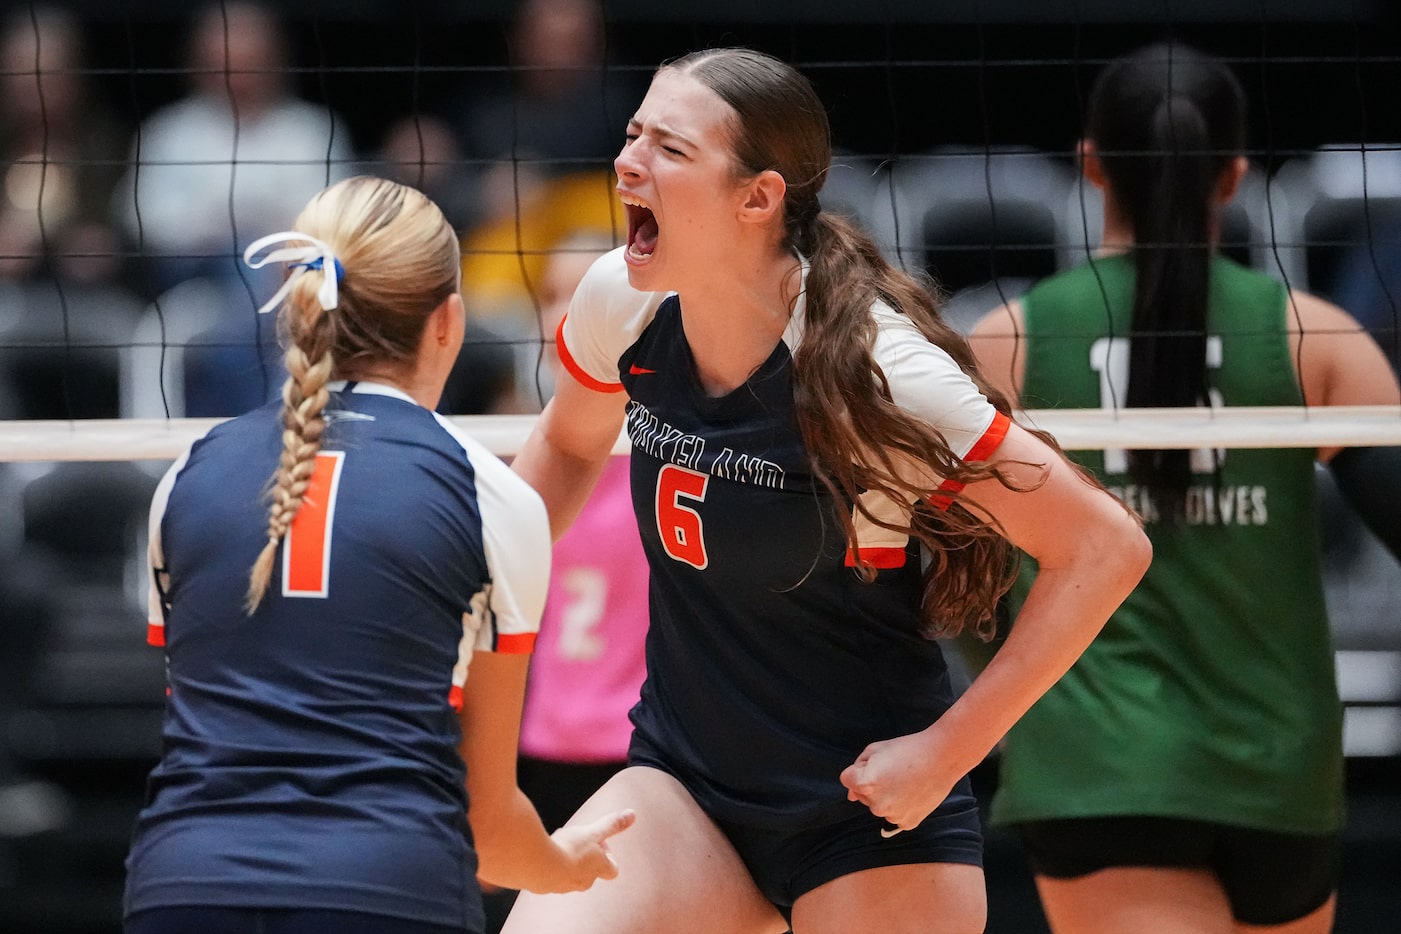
(319, 263)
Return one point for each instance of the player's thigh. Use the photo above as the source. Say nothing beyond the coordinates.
(1132, 898)
(676, 872)
(918, 898)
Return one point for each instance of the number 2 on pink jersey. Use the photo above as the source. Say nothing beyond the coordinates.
(306, 554)
(680, 526)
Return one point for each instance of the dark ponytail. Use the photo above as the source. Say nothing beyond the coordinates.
(1167, 122)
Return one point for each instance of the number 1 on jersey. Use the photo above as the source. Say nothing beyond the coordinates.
(1109, 357)
(306, 553)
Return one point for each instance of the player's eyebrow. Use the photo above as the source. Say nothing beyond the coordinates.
(661, 131)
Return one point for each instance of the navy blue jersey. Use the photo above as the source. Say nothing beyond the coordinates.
(310, 751)
(770, 663)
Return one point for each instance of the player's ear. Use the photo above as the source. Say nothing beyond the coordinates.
(1231, 176)
(448, 322)
(1090, 165)
(763, 199)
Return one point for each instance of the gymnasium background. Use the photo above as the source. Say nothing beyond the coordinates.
(920, 82)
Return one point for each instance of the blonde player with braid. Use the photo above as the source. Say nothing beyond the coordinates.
(325, 572)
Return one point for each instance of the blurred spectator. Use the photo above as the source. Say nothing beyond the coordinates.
(62, 314)
(483, 380)
(421, 151)
(203, 351)
(503, 259)
(537, 359)
(588, 666)
(508, 366)
(228, 159)
(544, 134)
(559, 108)
(65, 310)
(61, 153)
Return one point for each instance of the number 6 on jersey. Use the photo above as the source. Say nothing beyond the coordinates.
(678, 525)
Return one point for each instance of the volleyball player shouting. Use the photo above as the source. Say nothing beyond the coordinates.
(805, 432)
(312, 772)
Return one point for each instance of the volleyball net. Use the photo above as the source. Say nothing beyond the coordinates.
(1074, 429)
(143, 146)
(146, 153)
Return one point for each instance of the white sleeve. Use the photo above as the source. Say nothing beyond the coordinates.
(158, 580)
(605, 317)
(516, 537)
(926, 381)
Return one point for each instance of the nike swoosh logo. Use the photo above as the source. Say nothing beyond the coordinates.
(344, 415)
(636, 370)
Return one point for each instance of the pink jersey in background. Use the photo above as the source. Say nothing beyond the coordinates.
(588, 665)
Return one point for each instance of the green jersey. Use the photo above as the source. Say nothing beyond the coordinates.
(1210, 694)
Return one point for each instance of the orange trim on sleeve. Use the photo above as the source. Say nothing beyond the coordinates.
(879, 558)
(521, 643)
(573, 367)
(982, 449)
(991, 438)
(455, 697)
(155, 634)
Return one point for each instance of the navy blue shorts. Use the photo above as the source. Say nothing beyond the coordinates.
(788, 860)
(208, 920)
(787, 863)
(1269, 878)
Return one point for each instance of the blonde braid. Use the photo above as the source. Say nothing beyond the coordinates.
(304, 398)
(379, 259)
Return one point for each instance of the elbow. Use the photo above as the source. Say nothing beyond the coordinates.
(1134, 554)
(493, 818)
(1144, 555)
(1114, 556)
(488, 835)
(498, 857)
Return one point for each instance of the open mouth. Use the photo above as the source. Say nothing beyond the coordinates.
(643, 231)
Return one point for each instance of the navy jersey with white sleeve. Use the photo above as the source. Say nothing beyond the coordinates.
(310, 751)
(770, 663)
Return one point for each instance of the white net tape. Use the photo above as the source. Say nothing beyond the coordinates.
(1075, 429)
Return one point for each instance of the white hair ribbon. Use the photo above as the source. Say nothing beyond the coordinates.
(299, 258)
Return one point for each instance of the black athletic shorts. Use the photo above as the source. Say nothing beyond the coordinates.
(209, 920)
(1269, 878)
(788, 860)
(787, 863)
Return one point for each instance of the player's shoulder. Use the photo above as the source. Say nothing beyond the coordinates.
(605, 316)
(899, 341)
(490, 470)
(925, 379)
(605, 288)
(235, 437)
(1311, 312)
(1005, 321)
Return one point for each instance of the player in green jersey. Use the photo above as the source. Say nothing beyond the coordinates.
(1187, 773)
